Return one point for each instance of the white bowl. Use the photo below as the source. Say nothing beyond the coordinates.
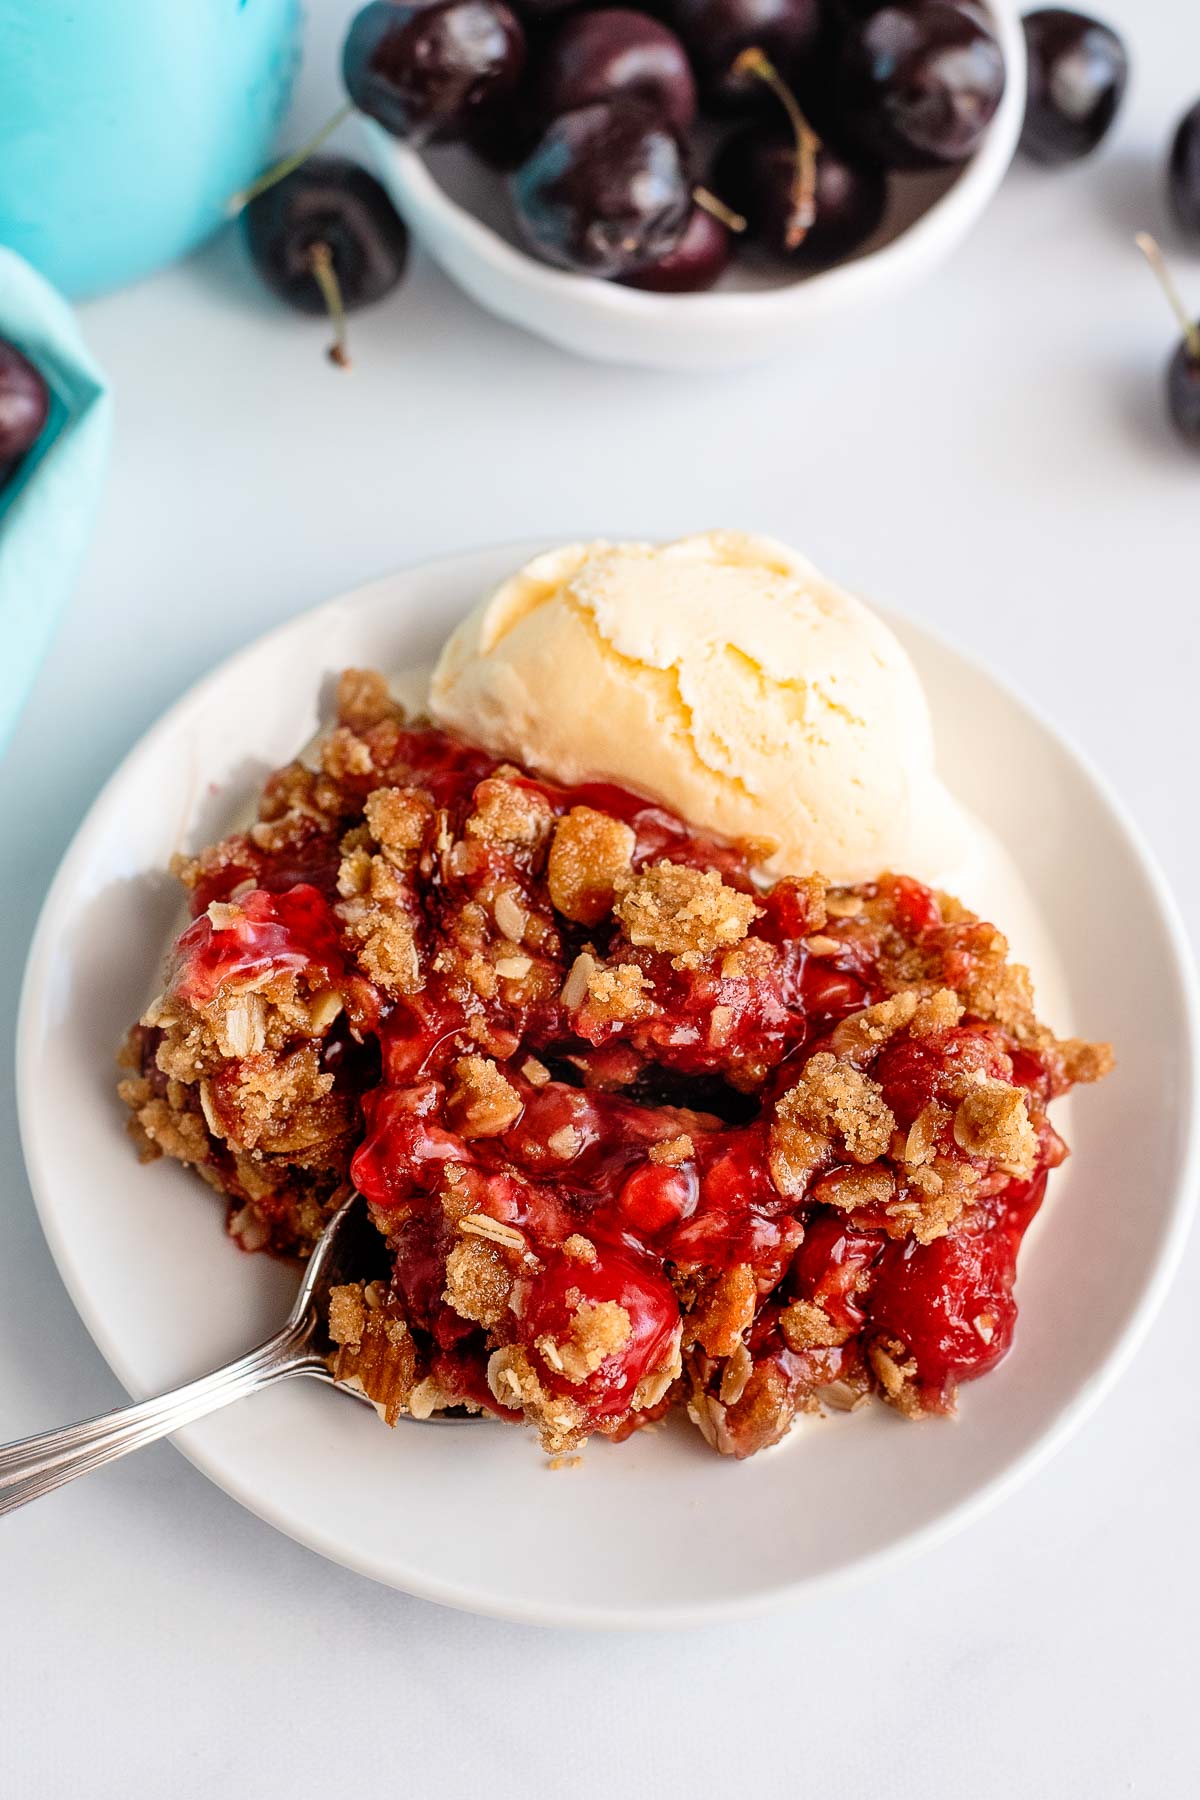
(458, 211)
(657, 1531)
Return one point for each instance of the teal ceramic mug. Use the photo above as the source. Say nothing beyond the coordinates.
(125, 125)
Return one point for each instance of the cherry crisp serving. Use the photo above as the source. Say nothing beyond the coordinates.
(635, 1133)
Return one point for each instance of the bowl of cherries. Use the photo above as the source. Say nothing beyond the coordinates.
(692, 185)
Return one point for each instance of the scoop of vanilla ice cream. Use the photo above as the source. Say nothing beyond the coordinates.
(722, 677)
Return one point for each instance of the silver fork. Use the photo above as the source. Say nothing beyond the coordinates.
(34, 1466)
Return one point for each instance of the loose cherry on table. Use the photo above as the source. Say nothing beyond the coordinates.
(1183, 180)
(617, 53)
(327, 239)
(1183, 370)
(24, 408)
(915, 86)
(606, 191)
(1078, 69)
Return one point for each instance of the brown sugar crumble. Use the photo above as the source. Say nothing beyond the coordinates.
(638, 1132)
(482, 1103)
(507, 813)
(364, 699)
(399, 820)
(673, 1150)
(683, 912)
(992, 1122)
(615, 994)
(589, 854)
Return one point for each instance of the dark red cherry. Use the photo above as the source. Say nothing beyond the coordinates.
(504, 138)
(617, 53)
(755, 174)
(915, 86)
(1077, 75)
(326, 238)
(606, 190)
(426, 71)
(699, 259)
(1183, 370)
(717, 31)
(1183, 181)
(861, 9)
(24, 407)
(1183, 387)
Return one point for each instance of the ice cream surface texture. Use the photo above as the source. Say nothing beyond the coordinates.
(721, 676)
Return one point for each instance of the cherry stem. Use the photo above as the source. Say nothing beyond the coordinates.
(288, 164)
(804, 184)
(1154, 256)
(725, 215)
(320, 261)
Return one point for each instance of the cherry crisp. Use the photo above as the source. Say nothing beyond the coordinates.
(636, 1132)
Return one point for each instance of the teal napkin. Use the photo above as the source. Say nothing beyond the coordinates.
(47, 509)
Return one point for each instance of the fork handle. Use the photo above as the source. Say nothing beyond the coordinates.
(34, 1466)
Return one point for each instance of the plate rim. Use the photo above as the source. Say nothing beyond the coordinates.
(1164, 1267)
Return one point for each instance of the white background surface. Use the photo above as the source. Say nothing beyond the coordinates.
(989, 455)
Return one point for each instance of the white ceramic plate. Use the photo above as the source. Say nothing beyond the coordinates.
(657, 1531)
(459, 211)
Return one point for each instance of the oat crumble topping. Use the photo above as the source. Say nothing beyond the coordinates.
(615, 994)
(992, 1121)
(635, 1135)
(673, 1150)
(590, 853)
(683, 912)
(833, 1105)
(478, 1281)
(507, 813)
(807, 1326)
(482, 1102)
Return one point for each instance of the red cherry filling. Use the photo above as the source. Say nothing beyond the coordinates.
(264, 934)
(600, 1327)
(654, 1199)
(950, 1303)
(594, 1082)
(403, 1138)
(914, 1071)
(831, 1268)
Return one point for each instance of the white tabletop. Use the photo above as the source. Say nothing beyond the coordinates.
(991, 455)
